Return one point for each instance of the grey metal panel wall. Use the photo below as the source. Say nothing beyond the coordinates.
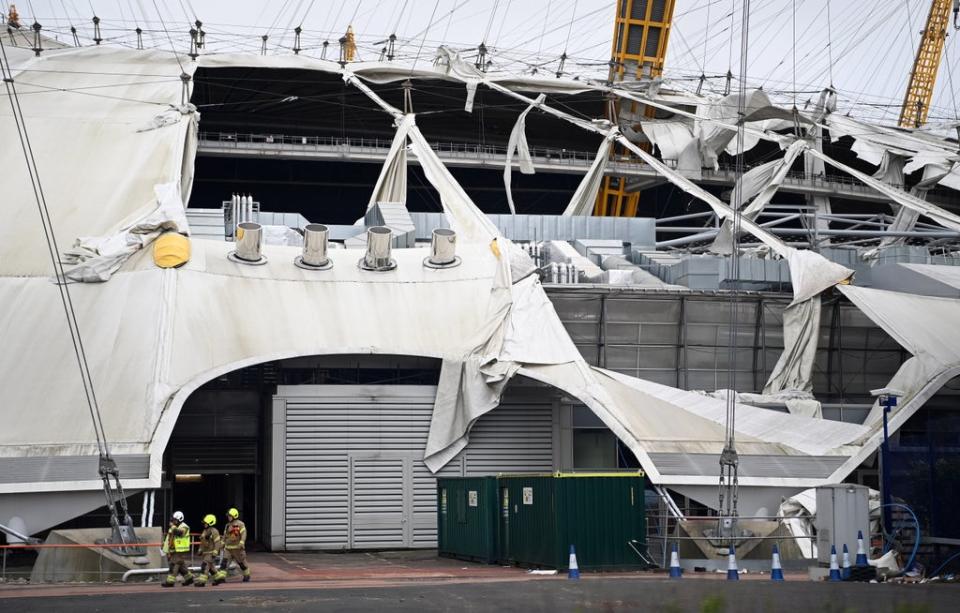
(353, 472)
(638, 231)
(683, 339)
(48, 469)
(512, 438)
(705, 464)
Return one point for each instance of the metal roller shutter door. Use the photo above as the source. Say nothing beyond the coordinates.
(354, 472)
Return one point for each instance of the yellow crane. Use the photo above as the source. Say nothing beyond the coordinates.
(640, 34)
(916, 102)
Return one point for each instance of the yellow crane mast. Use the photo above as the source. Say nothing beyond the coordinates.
(916, 102)
(640, 34)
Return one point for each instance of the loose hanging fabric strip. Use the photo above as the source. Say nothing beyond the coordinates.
(583, 199)
(518, 144)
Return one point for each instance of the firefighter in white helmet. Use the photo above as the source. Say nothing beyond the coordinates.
(176, 546)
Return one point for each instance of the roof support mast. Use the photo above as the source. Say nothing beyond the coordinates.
(923, 76)
(640, 34)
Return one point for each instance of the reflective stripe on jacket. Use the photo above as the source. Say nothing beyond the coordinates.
(179, 537)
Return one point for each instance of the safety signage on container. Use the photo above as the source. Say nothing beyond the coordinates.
(528, 495)
(472, 498)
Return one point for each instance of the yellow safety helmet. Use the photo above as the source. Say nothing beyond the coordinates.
(210, 519)
(233, 513)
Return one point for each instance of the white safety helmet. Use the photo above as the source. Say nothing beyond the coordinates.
(178, 516)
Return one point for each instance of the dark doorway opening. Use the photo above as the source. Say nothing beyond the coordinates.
(198, 494)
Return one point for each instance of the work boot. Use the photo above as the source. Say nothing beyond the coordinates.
(246, 575)
(220, 577)
(188, 580)
(170, 581)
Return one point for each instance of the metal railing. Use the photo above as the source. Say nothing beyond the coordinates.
(24, 573)
(287, 142)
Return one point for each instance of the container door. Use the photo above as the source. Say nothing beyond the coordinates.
(380, 501)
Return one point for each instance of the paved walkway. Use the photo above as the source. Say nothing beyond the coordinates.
(318, 571)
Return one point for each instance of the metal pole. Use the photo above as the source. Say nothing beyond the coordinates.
(885, 494)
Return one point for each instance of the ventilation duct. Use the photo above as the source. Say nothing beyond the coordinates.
(249, 242)
(315, 238)
(443, 249)
(378, 250)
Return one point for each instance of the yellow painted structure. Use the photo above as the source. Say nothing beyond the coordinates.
(916, 102)
(640, 35)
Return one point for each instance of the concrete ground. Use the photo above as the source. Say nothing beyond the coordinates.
(420, 581)
(600, 594)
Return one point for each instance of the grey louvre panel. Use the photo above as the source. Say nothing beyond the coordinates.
(706, 464)
(639, 10)
(355, 478)
(512, 438)
(217, 456)
(653, 41)
(659, 8)
(634, 36)
(47, 469)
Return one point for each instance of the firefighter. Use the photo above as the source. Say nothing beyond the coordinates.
(234, 544)
(176, 545)
(210, 546)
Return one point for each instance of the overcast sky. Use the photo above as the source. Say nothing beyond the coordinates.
(865, 46)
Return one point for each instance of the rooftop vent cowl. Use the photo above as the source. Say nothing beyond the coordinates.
(315, 240)
(378, 257)
(443, 249)
(249, 242)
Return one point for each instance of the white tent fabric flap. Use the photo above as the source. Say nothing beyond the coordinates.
(941, 216)
(466, 391)
(763, 182)
(922, 325)
(391, 185)
(518, 144)
(465, 218)
(585, 196)
(97, 258)
(801, 332)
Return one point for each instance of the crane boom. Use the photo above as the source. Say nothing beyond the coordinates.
(923, 76)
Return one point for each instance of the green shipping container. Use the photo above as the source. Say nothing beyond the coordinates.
(467, 518)
(600, 514)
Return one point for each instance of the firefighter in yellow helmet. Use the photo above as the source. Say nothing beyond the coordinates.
(176, 545)
(210, 546)
(234, 545)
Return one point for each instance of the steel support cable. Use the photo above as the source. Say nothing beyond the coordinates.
(53, 250)
(729, 460)
(493, 14)
(433, 14)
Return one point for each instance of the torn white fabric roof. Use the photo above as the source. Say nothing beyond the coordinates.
(763, 182)
(391, 184)
(801, 333)
(464, 216)
(585, 196)
(85, 193)
(935, 346)
(518, 143)
(937, 214)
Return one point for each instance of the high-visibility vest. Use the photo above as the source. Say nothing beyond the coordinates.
(181, 537)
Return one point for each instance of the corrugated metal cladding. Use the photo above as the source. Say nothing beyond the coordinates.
(353, 476)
